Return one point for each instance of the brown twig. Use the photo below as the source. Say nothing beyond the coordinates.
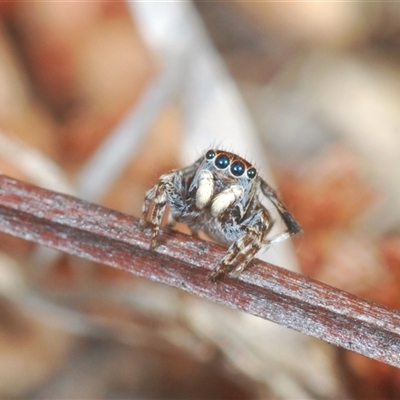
(289, 299)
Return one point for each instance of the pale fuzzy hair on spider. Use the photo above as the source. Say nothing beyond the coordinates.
(220, 195)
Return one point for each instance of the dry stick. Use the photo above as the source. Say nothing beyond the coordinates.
(113, 238)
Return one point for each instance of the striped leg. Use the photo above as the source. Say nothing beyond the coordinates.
(153, 210)
(160, 202)
(156, 201)
(240, 253)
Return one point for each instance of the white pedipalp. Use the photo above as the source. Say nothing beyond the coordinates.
(225, 199)
(205, 189)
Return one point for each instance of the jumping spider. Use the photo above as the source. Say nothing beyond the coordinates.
(219, 194)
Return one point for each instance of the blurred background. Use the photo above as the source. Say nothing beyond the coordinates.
(97, 99)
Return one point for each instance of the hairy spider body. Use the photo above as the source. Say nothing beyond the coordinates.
(219, 194)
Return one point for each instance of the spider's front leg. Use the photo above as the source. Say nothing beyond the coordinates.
(166, 191)
(243, 250)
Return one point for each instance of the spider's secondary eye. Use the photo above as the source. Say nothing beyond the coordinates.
(210, 154)
(251, 173)
(237, 168)
(222, 161)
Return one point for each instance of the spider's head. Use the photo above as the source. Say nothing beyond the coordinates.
(228, 179)
(222, 180)
(230, 165)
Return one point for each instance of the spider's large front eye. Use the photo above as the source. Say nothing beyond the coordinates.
(251, 173)
(237, 168)
(222, 161)
(210, 154)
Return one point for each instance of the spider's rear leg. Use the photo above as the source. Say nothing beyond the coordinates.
(241, 252)
(292, 226)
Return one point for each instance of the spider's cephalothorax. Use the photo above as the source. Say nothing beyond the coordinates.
(219, 194)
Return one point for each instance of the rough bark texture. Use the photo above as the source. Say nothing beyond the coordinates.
(113, 238)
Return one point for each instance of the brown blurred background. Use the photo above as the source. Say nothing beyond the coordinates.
(321, 84)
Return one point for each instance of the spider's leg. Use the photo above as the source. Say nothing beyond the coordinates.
(170, 190)
(158, 197)
(288, 219)
(243, 250)
(160, 203)
(280, 237)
